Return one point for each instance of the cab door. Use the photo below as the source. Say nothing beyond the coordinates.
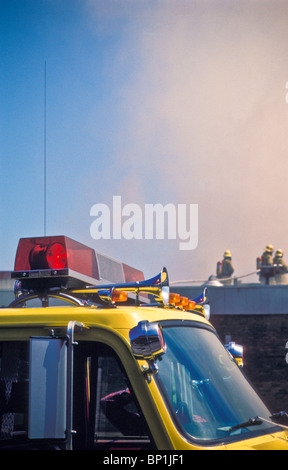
(106, 414)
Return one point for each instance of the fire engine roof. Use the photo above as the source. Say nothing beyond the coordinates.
(115, 318)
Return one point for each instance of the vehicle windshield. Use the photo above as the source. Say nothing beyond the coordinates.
(204, 388)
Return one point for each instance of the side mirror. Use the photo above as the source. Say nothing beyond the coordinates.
(236, 350)
(147, 343)
(51, 386)
(147, 340)
(47, 388)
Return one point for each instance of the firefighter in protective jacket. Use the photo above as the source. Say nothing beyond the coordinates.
(280, 268)
(267, 266)
(225, 268)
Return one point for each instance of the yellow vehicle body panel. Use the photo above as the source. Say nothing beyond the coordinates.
(116, 318)
(112, 326)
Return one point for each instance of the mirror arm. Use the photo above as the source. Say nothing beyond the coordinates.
(69, 411)
(152, 369)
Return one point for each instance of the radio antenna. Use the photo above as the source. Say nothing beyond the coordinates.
(45, 169)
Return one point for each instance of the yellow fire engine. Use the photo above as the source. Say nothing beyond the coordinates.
(90, 364)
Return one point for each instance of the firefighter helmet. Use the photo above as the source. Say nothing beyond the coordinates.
(269, 248)
(279, 253)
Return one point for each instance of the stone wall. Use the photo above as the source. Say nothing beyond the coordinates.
(264, 338)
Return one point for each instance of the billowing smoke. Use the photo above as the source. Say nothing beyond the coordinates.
(202, 118)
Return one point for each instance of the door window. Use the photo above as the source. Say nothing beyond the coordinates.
(106, 413)
(113, 415)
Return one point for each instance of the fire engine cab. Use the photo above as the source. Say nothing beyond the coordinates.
(93, 356)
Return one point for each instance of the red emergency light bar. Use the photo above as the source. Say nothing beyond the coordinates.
(55, 253)
(44, 262)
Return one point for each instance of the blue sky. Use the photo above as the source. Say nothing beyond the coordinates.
(80, 94)
(162, 101)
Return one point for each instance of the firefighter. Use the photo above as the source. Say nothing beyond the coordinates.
(280, 268)
(225, 268)
(267, 275)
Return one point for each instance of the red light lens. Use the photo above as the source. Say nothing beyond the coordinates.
(56, 256)
(56, 252)
(37, 257)
(48, 256)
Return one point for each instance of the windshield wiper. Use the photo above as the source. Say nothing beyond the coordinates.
(259, 420)
(279, 414)
(274, 416)
(250, 422)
